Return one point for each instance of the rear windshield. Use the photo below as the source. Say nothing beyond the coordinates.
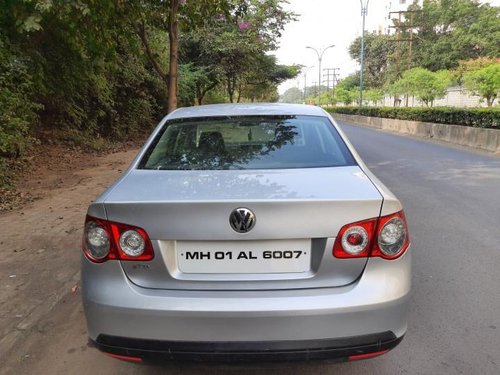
(247, 143)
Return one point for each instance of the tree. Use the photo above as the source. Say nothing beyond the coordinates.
(484, 82)
(259, 83)
(373, 95)
(379, 50)
(84, 60)
(350, 82)
(465, 66)
(444, 33)
(471, 65)
(423, 84)
(345, 96)
(72, 70)
(314, 91)
(18, 115)
(173, 37)
(241, 50)
(346, 90)
(235, 53)
(190, 78)
(327, 97)
(195, 50)
(174, 16)
(292, 95)
(452, 30)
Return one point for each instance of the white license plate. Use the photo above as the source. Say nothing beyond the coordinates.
(243, 257)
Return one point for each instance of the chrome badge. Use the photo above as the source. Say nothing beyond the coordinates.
(242, 220)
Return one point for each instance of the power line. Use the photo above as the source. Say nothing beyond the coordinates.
(330, 73)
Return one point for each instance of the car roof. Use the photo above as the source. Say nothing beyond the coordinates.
(246, 109)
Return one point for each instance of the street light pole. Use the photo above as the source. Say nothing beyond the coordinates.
(320, 57)
(305, 81)
(364, 12)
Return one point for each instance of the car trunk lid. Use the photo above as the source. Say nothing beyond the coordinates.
(186, 214)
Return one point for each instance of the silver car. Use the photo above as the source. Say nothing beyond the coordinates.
(246, 232)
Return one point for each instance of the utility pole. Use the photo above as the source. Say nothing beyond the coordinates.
(364, 12)
(336, 76)
(320, 57)
(315, 84)
(410, 54)
(330, 72)
(400, 28)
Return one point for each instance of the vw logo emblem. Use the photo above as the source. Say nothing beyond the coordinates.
(242, 220)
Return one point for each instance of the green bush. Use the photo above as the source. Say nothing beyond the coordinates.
(475, 117)
(17, 110)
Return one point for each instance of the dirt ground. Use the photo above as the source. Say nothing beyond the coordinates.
(39, 242)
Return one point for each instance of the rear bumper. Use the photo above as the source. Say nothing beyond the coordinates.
(123, 318)
(342, 349)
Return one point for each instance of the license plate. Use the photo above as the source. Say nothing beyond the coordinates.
(243, 257)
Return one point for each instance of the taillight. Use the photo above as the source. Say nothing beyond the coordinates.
(385, 237)
(104, 240)
(132, 243)
(392, 236)
(355, 240)
(96, 240)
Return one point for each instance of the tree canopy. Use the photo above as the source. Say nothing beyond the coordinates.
(109, 68)
(292, 95)
(379, 54)
(444, 33)
(427, 86)
(484, 82)
(453, 30)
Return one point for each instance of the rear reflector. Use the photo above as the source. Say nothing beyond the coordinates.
(124, 357)
(355, 357)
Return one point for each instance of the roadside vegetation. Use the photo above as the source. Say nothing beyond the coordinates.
(454, 43)
(475, 117)
(90, 73)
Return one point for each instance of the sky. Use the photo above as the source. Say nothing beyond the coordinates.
(322, 23)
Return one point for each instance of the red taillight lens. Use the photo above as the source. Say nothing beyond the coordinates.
(104, 240)
(385, 237)
(131, 242)
(355, 240)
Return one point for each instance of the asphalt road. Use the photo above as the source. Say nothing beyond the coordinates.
(452, 202)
